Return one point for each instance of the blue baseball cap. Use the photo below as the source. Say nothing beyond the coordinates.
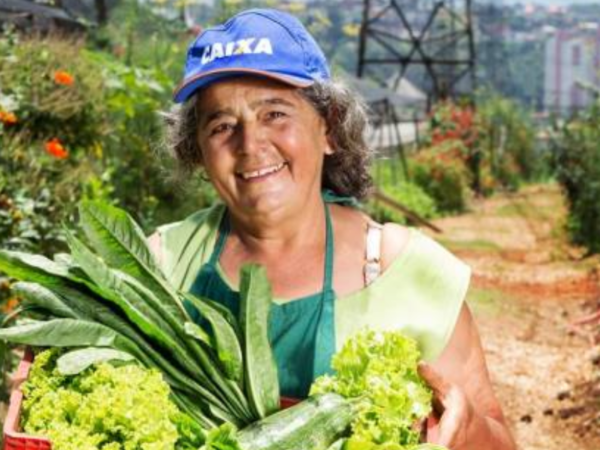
(261, 42)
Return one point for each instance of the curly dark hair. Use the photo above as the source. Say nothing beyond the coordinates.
(345, 172)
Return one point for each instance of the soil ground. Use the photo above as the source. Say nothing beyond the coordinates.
(528, 286)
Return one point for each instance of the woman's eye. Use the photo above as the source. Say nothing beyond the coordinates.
(221, 128)
(272, 115)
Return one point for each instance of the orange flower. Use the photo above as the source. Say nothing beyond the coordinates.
(8, 118)
(63, 78)
(56, 149)
(10, 305)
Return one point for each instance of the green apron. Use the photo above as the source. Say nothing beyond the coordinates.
(302, 331)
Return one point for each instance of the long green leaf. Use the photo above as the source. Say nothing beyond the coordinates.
(76, 361)
(227, 344)
(228, 315)
(111, 287)
(41, 297)
(262, 383)
(193, 330)
(36, 268)
(116, 236)
(153, 302)
(61, 333)
(225, 341)
(122, 243)
(195, 413)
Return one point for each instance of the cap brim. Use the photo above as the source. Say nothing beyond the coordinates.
(189, 86)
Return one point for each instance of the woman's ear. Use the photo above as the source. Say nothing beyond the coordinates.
(329, 141)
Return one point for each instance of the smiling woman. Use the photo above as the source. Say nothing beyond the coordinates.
(283, 144)
(262, 146)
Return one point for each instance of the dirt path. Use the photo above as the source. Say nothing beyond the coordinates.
(528, 285)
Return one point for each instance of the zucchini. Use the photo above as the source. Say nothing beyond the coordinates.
(313, 424)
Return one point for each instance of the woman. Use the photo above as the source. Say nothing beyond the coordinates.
(283, 146)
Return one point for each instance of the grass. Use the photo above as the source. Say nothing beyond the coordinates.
(492, 302)
(486, 301)
(473, 245)
(527, 210)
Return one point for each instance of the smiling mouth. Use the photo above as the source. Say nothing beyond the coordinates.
(261, 173)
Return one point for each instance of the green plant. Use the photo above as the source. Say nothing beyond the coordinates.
(82, 122)
(407, 194)
(443, 175)
(508, 141)
(379, 371)
(104, 406)
(577, 164)
(115, 296)
(390, 182)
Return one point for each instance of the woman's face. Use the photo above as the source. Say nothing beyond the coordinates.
(262, 145)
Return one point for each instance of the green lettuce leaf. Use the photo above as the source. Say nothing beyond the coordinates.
(380, 370)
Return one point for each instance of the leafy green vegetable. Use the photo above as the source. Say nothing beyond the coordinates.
(104, 407)
(35, 295)
(380, 370)
(35, 268)
(76, 361)
(110, 293)
(226, 340)
(262, 383)
(64, 333)
(120, 241)
(222, 438)
(198, 333)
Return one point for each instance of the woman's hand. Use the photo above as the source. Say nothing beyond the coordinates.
(453, 413)
(467, 415)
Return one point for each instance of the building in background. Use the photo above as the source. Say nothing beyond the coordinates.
(572, 68)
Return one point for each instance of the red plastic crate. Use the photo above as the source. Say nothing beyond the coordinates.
(13, 438)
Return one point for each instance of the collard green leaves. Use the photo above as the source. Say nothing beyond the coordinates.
(109, 300)
(77, 361)
(42, 298)
(262, 383)
(226, 341)
(61, 333)
(122, 244)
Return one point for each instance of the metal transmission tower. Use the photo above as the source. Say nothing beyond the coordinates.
(427, 42)
(492, 54)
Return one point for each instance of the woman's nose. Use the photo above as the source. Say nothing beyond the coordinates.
(252, 138)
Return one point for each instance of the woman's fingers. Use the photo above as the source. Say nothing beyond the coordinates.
(451, 403)
(438, 385)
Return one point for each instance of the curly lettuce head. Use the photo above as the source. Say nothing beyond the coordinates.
(380, 370)
(105, 407)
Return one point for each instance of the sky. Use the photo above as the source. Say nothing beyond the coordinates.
(550, 2)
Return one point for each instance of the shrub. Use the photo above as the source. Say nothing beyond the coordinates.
(442, 173)
(508, 141)
(76, 123)
(409, 195)
(388, 178)
(577, 162)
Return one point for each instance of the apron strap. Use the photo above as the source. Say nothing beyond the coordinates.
(329, 252)
(224, 230)
(325, 336)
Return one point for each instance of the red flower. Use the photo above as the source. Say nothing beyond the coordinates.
(63, 78)
(8, 118)
(56, 149)
(452, 135)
